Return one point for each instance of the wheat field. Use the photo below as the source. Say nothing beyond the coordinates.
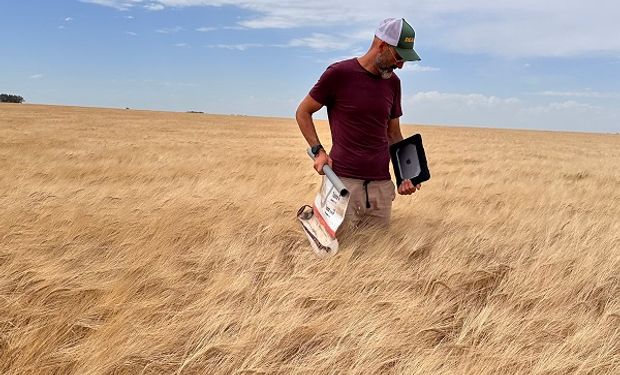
(142, 242)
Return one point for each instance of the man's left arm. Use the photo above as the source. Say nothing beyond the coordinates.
(394, 135)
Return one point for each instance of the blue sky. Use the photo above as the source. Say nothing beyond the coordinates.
(551, 65)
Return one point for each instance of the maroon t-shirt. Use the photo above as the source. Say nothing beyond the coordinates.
(359, 106)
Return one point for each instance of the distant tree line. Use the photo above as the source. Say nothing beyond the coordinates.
(8, 98)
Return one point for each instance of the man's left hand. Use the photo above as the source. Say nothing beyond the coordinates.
(407, 187)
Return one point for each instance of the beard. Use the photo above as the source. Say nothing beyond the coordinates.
(384, 67)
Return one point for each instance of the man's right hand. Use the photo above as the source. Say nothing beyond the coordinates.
(320, 160)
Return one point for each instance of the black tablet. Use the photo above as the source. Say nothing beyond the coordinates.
(409, 160)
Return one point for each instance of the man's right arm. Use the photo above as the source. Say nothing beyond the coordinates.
(306, 108)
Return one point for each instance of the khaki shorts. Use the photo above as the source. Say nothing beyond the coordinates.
(370, 203)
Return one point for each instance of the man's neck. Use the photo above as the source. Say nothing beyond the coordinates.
(367, 62)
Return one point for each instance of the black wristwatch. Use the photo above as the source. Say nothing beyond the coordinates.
(316, 149)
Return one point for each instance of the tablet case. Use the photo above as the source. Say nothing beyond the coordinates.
(409, 160)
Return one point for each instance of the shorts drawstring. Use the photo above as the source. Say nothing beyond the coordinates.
(366, 189)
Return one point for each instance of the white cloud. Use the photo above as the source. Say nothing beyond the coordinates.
(154, 7)
(116, 4)
(321, 42)
(182, 45)
(36, 76)
(234, 28)
(317, 42)
(569, 105)
(474, 101)
(512, 28)
(68, 19)
(482, 110)
(205, 29)
(580, 94)
(238, 47)
(417, 68)
(131, 33)
(169, 30)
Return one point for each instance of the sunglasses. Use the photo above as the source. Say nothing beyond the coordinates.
(395, 55)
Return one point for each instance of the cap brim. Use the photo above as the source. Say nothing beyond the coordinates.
(408, 54)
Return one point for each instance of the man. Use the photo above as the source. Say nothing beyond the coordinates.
(363, 100)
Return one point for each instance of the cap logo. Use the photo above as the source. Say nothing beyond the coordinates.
(408, 39)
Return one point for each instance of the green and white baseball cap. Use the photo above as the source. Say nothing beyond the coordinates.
(399, 34)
